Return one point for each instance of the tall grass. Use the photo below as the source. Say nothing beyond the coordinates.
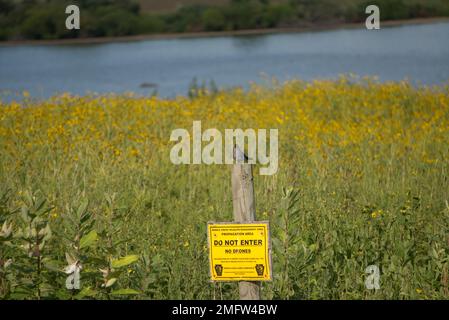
(363, 180)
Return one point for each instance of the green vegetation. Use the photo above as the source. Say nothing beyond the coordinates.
(45, 19)
(363, 180)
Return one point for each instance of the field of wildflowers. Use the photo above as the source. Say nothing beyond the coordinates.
(363, 180)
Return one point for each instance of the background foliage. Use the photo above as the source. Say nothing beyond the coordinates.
(45, 19)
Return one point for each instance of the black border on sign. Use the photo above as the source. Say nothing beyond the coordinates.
(269, 260)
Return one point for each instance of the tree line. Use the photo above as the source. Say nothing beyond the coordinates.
(45, 19)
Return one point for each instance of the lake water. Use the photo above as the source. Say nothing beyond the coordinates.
(417, 52)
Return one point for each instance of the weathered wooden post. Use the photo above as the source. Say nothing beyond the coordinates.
(244, 210)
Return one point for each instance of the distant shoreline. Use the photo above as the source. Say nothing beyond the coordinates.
(167, 36)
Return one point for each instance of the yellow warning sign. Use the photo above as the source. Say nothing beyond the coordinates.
(239, 252)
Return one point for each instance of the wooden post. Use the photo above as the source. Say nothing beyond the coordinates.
(244, 210)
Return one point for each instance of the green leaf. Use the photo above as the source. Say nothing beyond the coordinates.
(277, 244)
(110, 282)
(52, 265)
(88, 239)
(118, 263)
(70, 259)
(25, 214)
(82, 208)
(86, 292)
(124, 292)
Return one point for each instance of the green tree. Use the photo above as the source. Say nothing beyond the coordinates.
(213, 19)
